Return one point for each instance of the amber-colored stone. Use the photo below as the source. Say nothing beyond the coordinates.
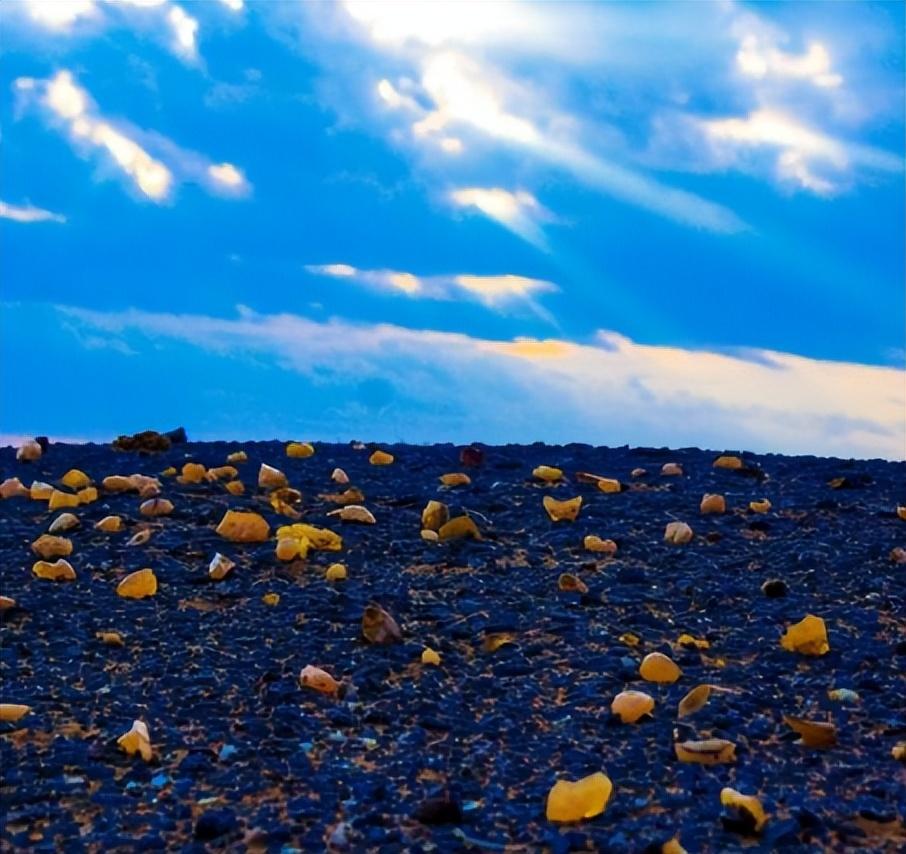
(570, 801)
(137, 740)
(728, 462)
(87, 495)
(336, 572)
(138, 584)
(808, 636)
(430, 657)
(220, 566)
(550, 474)
(75, 479)
(192, 473)
(711, 751)
(60, 499)
(271, 478)
(354, 513)
(694, 700)
(237, 457)
(380, 458)
(12, 487)
(630, 706)
(456, 478)
(750, 813)
(48, 546)
(241, 527)
(678, 533)
(299, 450)
(29, 451)
(570, 583)
(712, 503)
(156, 507)
(762, 506)
(457, 528)
(235, 487)
(318, 680)
(59, 570)
(593, 543)
(11, 712)
(671, 469)
(379, 627)
(110, 524)
(562, 511)
(813, 733)
(657, 667)
(64, 522)
(434, 516)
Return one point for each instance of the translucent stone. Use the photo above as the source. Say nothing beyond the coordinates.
(434, 515)
(762, 506)
(657, 667)
(547, 473)
(753, 817)
(456, 478)
(711, 751)
(242, 527)
(339, 476)
(593, 543)
(138, 584)
(457, 528)
(807, 637)
(220, 566)
(380, 458)
(237, 457)
(335, 572)
(430, 657)
(570, 801)
(712, 503)
(562, 511)
(271, 478)
(137, 740)
(75, 479)
(318, 680)
(59, 570)
(48, 546)
(677, 533)
(299, 450)
(60, 499)
(64, 522)
(11, 712)
(156, 507)
(12, 487)
(354, 513)
(630, 706)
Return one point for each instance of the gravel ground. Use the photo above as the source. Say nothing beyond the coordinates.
(458, 756)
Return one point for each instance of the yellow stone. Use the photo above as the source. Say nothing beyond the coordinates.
(117, 483)
(336, 572)
(434, 516)
(547, 473)
(608, 484)
(60, 499)
(562, 511)
(137, 740)
(630, 706)
(13, 487)
(156, 507)
(570, 801)
(593, 543)
(457, 528)
(901, 512)
(671, 469)
(271, 478)
(75, 479)
(657, 667)
(40, 491)
(221, 473)
(241, 527)
(271, 599)
(429, 656)
(7, 602)
(380, 458)
(29, 451)
(320, 538)
(59, 570)
(570, 583)
(727, 461)
(713, 503)
(808, 636)
(138, 585)
(299, 450)
(110, 524)
(354, 513)
(457, 478)
(711, 751)
(237, 457)
(192, 473)
(87, 495)
(290, 548)
(813, 733)
(694, 700)
(110, 638)
(235, 487)
(11, 712)
(762, 506)
(48, 546)
(318, 680)
(748, 805)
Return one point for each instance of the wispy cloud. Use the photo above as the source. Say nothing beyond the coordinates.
(519, 212)
(610, 391)
(28, 213)
(126, 148)
(501, 292)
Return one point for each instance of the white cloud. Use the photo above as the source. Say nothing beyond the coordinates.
(520, 212)
(499, 292)
(127, 149)
(233, 5)
(758, 58)
(614, 391)
(813, 160)
(28, 213)
(64, 16)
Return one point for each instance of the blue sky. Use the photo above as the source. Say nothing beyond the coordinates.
(670, 224)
